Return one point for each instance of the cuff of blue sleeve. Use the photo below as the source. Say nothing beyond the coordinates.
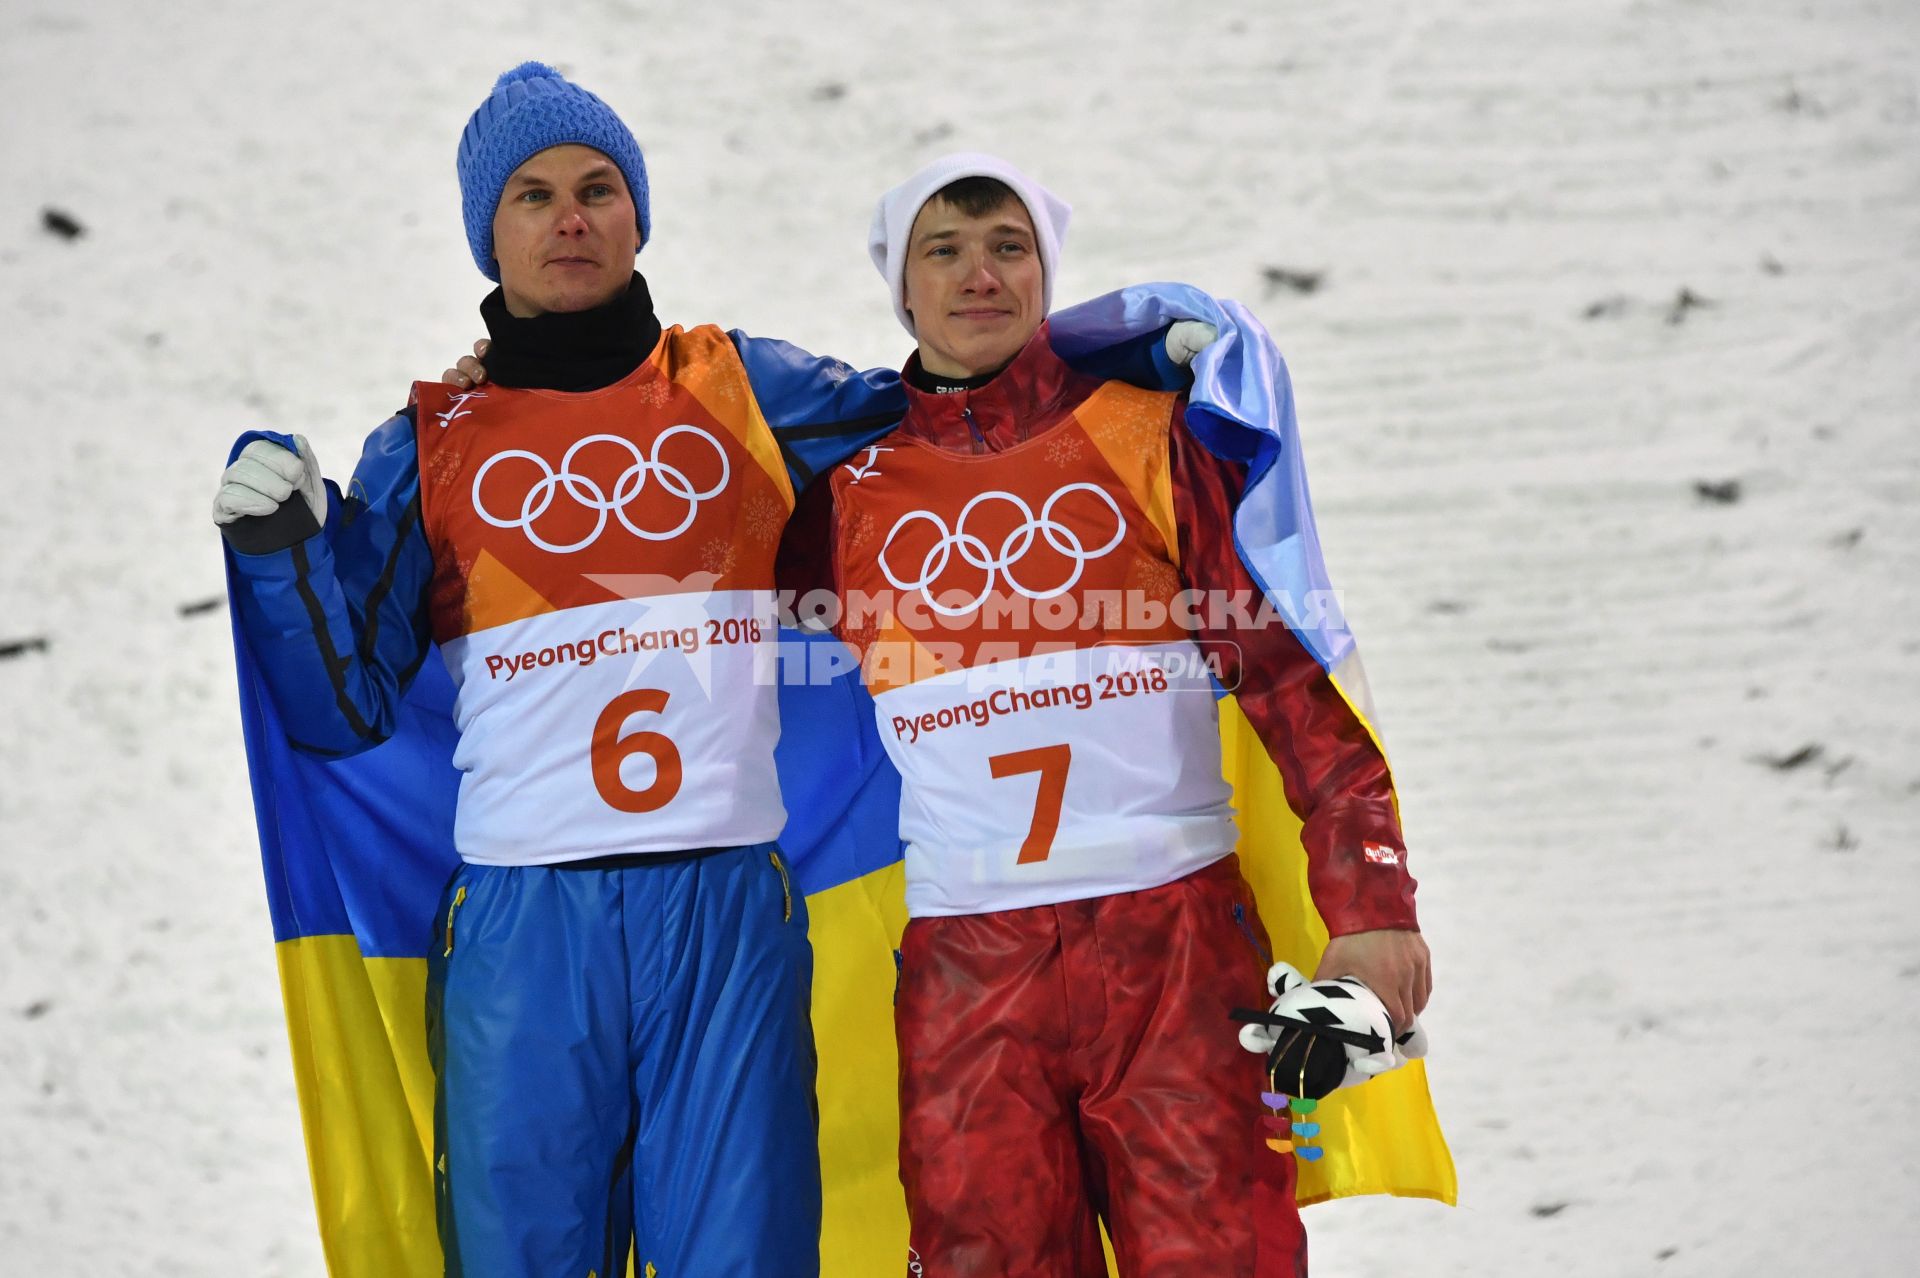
(288, 526)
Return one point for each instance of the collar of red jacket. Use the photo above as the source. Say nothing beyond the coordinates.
(1034, 391)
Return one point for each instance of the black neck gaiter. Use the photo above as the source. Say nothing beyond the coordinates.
(571, 350)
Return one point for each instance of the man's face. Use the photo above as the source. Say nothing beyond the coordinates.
(564, 234)
(973, 286)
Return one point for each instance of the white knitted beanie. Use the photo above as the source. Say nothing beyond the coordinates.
(893, 220)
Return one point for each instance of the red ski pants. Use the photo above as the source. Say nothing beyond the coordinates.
(1071, 1063)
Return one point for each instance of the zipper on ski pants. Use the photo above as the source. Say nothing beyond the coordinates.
(1246, 928)
(786, 888)
(459, 897)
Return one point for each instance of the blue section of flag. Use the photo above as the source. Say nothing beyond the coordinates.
(841, 790)
(363, 844)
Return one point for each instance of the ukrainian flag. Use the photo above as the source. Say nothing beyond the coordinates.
(356, 852)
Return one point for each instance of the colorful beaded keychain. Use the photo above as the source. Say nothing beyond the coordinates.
(1293, 1127)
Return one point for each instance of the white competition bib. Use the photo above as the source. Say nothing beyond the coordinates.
(1057, 777)
(573, 723)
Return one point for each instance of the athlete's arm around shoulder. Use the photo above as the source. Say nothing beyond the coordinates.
(333, 605)
(820, 410)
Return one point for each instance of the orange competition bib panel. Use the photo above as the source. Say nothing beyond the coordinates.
(603, 596)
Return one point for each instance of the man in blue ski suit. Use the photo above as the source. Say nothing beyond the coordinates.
(620, 977)
(620, 999)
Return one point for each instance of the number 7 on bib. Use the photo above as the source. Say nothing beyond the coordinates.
(1051, 763)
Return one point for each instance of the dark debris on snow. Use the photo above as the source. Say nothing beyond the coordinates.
(1684, 301)
(1806, 754)
(61, 223)
(21, 647)
(1286, 279)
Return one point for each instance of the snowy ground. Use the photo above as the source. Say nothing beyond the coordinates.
(1658, 752)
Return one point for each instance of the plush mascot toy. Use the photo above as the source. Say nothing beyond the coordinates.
(1319, 1035)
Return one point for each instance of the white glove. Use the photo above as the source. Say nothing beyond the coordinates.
(1345, 1003)
(264, 476)
(1188, 338)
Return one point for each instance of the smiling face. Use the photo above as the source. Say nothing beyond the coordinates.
(564, 233)
(973, 285)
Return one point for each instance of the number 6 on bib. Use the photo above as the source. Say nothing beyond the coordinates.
(610, 750)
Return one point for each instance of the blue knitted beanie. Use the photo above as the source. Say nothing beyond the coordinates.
(531, 108)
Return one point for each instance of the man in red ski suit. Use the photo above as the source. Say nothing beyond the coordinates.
(1079, 928)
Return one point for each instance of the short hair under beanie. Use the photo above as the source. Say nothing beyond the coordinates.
(531, 108)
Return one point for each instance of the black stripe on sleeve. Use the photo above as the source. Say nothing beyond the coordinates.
(336, 665)
(292, 521)
(381, 588)
(802, 473)
(317, 751)
(845, 426)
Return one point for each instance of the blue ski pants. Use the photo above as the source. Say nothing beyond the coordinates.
(624, 1058)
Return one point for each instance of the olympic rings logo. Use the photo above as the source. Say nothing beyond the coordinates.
(1013, 547)
(585, 491)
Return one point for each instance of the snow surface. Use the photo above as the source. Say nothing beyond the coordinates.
(1676, 1019)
